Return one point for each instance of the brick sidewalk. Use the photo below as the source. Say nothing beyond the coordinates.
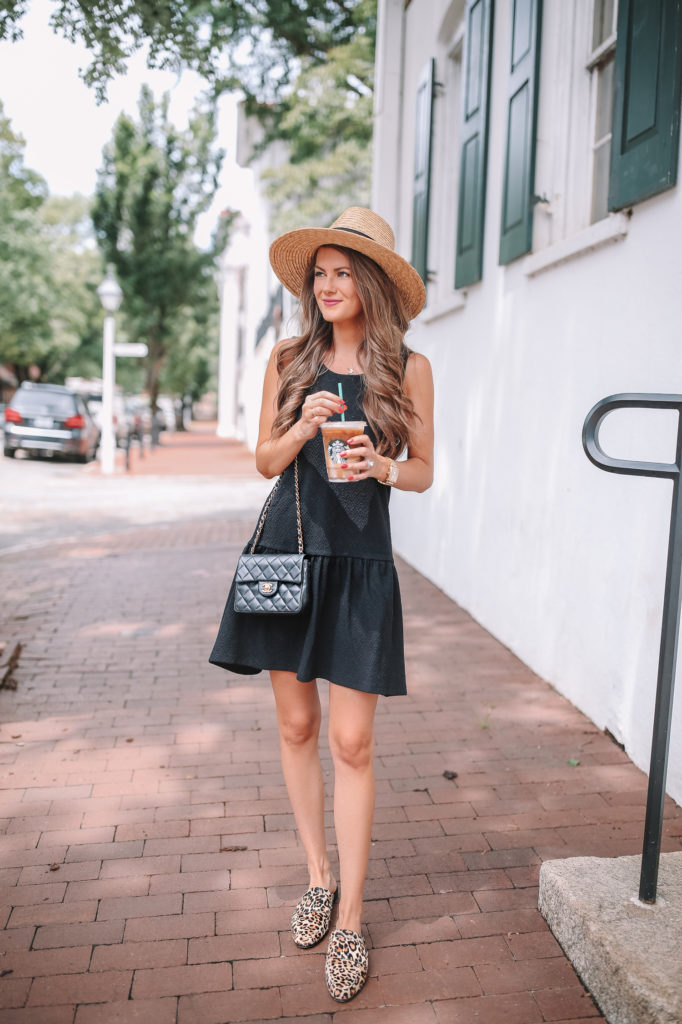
(188, 453)
(149, 862)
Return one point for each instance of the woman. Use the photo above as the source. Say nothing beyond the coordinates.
(357, 298)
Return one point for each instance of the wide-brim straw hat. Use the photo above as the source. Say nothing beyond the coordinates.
(358, 229)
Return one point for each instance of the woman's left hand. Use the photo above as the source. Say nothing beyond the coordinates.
(371, 465)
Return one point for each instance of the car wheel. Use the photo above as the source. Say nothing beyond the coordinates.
(9, 452)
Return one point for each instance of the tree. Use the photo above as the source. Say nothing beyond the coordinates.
(76, 270)
(327, 125)
(25, 275)
(195, 350)
(304, 66)
(252, 45)
(154, 183)
(50, 315)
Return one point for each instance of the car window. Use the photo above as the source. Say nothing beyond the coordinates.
(43, 403)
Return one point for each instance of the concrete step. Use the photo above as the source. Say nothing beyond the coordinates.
(627, 953)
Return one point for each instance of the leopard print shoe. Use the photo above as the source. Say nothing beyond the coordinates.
(310, 920)
(346, 964)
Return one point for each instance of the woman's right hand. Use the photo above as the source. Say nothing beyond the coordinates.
(317, 409)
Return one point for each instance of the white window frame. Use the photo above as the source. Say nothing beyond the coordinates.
(442, 298)
(563, 227)
(598, 57)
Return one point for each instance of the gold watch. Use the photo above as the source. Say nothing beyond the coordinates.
(391, 475)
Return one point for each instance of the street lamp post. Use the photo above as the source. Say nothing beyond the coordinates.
(110, 296)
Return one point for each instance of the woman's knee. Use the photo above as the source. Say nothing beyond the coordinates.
(352, 749)
(298, 728)
(298, 709)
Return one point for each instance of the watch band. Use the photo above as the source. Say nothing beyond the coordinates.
(392, 475)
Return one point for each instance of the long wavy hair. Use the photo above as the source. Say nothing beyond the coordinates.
(383, 354)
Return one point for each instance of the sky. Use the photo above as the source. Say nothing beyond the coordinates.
(64, 128)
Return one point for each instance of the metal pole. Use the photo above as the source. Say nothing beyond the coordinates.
(660, 742)
(665, 688)
(107, 445)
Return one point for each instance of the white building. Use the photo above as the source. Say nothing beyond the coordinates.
(253, 304)
(526, 154)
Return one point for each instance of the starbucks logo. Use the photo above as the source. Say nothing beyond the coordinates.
(335, 449)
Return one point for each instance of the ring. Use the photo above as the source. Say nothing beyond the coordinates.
(370, 463)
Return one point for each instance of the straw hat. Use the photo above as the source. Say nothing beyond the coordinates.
(358, 229)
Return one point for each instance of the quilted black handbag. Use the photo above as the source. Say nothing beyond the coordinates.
(273, 584)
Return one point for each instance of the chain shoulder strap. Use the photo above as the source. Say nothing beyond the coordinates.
(299, 525)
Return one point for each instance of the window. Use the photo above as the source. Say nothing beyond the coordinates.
(474, 146)
(518, 185)
(646, 108)
(601, 64)
(444, 175)
(422, 170)
(636, 101)
(608, 120)
(445, 159)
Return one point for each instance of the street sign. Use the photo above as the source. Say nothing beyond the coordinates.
(131, 348)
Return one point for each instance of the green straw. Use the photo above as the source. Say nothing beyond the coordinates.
(343, 415)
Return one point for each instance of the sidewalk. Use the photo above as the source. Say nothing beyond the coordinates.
(193, 452)
(149, 863)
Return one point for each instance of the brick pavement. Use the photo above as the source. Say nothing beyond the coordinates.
(195, 452)
(149, 863)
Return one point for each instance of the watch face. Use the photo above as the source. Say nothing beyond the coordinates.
(392, 474)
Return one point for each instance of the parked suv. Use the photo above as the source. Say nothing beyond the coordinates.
(47, 418)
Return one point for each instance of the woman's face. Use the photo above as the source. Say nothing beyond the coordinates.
(334, 287)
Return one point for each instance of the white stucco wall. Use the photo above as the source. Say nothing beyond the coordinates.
(246, 283)
(564, 563)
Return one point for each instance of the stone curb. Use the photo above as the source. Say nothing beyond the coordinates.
(627, 953)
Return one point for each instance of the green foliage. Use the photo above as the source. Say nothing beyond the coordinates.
(326, 122)
(316, 190)
(331, 102)
(24, 188)
(11, 12)
(76, 317)
(154, 183)
(49, 270)
(234, 44)
(195, 350)
(305, 68)
(25, 279)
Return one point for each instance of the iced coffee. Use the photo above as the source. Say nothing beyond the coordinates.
(335, 436)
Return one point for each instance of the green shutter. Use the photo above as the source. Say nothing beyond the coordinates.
(646, 103)
(516, 235)
(422, 170)
(474, 151)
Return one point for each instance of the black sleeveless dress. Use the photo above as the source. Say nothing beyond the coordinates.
(351, 631)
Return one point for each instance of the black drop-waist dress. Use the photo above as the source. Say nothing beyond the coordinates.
(351, 632)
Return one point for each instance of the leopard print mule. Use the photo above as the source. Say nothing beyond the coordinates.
(346, 964)
(310, 920)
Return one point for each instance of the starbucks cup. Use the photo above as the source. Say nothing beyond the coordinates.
(335, 436)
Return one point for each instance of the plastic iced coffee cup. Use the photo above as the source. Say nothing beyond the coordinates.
(335, 435)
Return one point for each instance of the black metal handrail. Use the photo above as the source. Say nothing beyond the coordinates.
(660, 743)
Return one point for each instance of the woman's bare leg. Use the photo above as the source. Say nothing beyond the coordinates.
(351, 738)
(298, 719)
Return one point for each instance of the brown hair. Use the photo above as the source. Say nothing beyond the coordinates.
(383, 353)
